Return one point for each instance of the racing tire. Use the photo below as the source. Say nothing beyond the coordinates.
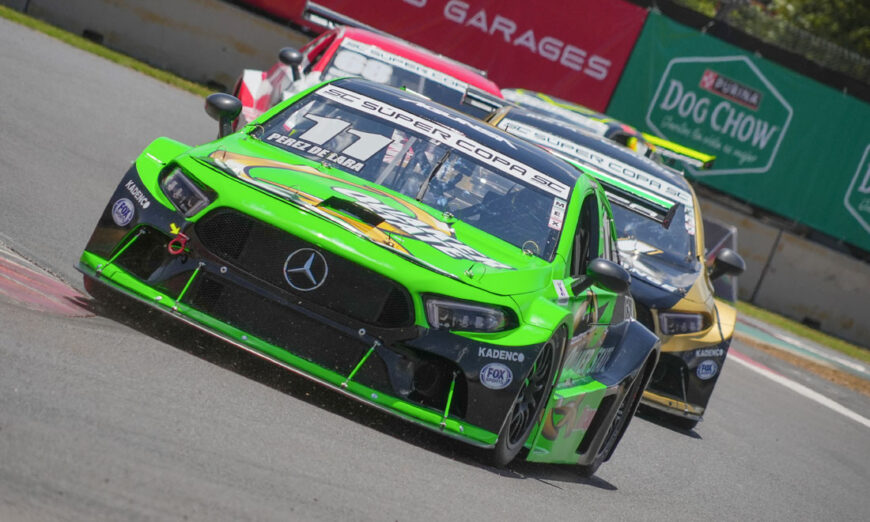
(529, 402)
(617, 428)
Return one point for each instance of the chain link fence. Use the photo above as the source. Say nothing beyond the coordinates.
(751, 18)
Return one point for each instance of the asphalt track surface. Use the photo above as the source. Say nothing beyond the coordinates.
(106, 418)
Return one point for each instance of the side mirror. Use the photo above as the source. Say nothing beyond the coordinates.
(605, 274)
(225, 109)
(727, 262)
(292, 58)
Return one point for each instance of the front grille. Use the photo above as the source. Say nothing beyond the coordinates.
(261, 250)
(669, 375)
(146, 254)
(644, 316)
(285, 327)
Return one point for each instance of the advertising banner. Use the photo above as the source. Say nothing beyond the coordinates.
(287, 9)
(574, 50)
(782, 141)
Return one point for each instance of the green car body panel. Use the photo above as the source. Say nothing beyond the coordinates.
(180, 260)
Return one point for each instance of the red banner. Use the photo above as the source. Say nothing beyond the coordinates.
(287, 9)
(575, 50)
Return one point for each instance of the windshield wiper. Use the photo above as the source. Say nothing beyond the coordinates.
(425, 186)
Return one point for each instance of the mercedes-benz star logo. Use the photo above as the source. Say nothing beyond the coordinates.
(305, 269)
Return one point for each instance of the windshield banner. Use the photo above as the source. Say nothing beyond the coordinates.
(782, 141)
(574, 50)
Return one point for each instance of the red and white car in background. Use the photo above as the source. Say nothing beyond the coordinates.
(350, 51)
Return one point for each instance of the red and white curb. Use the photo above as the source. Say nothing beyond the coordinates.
(27, 285)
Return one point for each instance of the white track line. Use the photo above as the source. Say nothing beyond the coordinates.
(796, 387)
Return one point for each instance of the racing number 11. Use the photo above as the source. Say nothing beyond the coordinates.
(325, 129)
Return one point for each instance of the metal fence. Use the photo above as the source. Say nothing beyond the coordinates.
(752, 19)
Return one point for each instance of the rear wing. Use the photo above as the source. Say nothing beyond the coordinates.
(483, 100)
(629, 200)
(631, 197)
(673, 153)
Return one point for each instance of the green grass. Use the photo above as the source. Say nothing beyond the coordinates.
(800, 330)
(99, 50)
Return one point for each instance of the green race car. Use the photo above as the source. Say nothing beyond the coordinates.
(400, 252)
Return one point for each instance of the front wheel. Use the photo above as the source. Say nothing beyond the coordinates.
(617, 426)
(530, 402)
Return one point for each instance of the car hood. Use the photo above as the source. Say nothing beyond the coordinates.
(391, 220)
(657, 281)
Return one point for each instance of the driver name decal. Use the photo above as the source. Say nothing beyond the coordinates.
(316, 150)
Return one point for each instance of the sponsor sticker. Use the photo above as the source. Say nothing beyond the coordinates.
(709, 352)
(504, 355)
(561, 290)
(557, 214)
(138, 194)
(707, 369)
(420, 230)
(123, 212)
(496, 376)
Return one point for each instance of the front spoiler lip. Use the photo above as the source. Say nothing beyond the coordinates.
(175, 314)
(671, 405)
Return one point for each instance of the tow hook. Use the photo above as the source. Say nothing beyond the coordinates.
(178, 244)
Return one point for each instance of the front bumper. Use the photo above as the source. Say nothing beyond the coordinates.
(683, 382)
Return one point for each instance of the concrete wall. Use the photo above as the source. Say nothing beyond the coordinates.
(755, 242)
(207, 41)
(804, 280)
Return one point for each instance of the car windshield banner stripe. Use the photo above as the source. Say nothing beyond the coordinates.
(599, 161)
(450, 137)
(403, 63)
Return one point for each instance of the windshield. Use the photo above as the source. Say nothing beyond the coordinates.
(642, 235)
(423, 160)
(367, 61)
(662, 256)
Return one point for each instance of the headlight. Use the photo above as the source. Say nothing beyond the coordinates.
(673, 323)
(187, 197)
(456, 315)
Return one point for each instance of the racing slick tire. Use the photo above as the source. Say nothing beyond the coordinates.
(530, 401)
(618, 425)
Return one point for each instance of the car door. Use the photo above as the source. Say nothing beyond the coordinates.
(593, 308)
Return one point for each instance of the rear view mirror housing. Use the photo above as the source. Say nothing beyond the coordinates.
(225, 109)
(727, 262)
